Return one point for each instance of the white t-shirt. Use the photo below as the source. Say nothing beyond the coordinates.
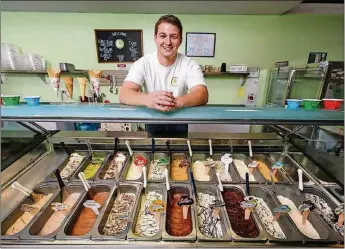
(177, 78)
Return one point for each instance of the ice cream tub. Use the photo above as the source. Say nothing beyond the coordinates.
(133, 171)
(80, 223)
(202, 169)
(309, 166)
(315, 230)
(158, 163)
(115, 220)
(289, 167)
(241, 163)
(278, 230)
(231, 176)
(178, 227)
(48, 224)
(112, 163)
(148, 218)
(92, 165)
(324, 207)
(65, 164)
(240, 228)
(179, 170)
(211, 223)
(265, 169)
(22, 216)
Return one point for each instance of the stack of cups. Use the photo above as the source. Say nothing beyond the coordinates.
(95, 78)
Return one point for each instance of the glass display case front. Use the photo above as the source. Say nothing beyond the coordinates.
(107, 188)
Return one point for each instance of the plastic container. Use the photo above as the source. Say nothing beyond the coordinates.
(10, 99)
(311, 104)
(332, 104)
(32, 100)
(293, 103)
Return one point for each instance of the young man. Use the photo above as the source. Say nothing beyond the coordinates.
(165, 80)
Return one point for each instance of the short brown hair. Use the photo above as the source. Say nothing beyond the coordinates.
(169, 19)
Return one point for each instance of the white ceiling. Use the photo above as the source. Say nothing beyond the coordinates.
(267, 7)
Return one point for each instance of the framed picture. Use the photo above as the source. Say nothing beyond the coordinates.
(317, 57)
(200, 44)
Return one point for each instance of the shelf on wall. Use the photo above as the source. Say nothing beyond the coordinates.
(210, 74)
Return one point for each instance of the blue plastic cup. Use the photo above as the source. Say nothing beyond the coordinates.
(293, 103)
(32, 100)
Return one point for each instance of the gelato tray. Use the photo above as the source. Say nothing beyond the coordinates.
(289, 167)
(211, 219)
(70, 165)
(48, 224)
(22, 216)
(113, 167)
(230, 176)
(159, 162)
(241, 162)
(179, 170)
(92, 165)
(80, 224)
(241, 229)
(309, 166)
(280, 230)
(116, 219)
(314, 230)
(148, 219)
(134, 168)
(325, 208)
(180, 217)
(265, 169)
(203, 169)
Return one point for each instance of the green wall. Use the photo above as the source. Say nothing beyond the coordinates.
(254, 40)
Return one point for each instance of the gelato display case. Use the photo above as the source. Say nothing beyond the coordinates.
(105, 189)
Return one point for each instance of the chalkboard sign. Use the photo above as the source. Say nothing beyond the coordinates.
(114, 45)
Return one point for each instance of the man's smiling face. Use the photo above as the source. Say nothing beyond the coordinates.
(168, 40)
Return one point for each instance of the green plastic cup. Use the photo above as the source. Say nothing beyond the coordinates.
(311, 104)
(10, 99)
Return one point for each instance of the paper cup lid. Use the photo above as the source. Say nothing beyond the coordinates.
(333, 99)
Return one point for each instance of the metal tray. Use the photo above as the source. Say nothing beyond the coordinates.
(331, 204)
(65, 231)
(257, 175)
(180, 155)
(129, 163)
(155, 156)
(235, 178)
(174, 189)
(211, 189)
(87, 163)
(17, 212)
(101, 173)
(338, 192)
(295, 196)
(309, 166)
(280, 175)
(97, 233)
(262, 234)
(52, 177)
(289, 167)
(202, 157)
(290, 233)
(39, 222)
(132, 235)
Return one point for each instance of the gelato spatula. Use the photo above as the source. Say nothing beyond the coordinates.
(64, 192)
(34, 196)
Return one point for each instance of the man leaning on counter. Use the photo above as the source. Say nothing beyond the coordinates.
(165, 80)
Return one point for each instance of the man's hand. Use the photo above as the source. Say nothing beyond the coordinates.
(161, 101)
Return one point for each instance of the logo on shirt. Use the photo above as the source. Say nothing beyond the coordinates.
(174, 81)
